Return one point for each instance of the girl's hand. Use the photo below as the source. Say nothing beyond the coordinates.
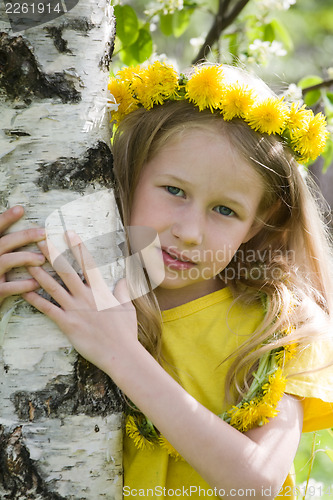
(10, 259)
(99, 324)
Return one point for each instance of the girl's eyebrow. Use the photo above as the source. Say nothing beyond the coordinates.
(175, 178)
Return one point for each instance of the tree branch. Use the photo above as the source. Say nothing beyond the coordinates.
(221, 22)
(325, 83)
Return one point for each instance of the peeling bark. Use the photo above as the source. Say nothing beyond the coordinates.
(60, 417)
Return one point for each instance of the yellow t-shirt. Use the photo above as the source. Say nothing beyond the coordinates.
(196, 338)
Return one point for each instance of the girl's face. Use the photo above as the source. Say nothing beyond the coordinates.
(202, 198)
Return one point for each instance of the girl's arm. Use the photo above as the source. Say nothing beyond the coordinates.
(227, 459)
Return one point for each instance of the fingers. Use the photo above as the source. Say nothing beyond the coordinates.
(20, 238)
(10, 261)
(51, 286)
(17, 288)
(62, 267)
(81, 254)
(103, 297)
(10, 216)
(44, 306)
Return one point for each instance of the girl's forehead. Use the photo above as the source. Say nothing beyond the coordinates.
(186, 132)
(203, 141)
(204, 156)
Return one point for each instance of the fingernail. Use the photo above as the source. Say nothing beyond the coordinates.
(41, 244)
(17, 210)
(41, 232)
(40, 256)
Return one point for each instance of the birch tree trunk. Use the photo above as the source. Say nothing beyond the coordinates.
(60, 417)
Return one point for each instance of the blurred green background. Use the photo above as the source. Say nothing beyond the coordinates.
(314, 460)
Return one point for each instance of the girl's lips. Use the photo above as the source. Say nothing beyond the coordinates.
(175, 262)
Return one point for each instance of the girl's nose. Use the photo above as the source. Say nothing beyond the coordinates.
(189, 230)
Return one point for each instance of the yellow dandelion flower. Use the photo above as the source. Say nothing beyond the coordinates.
(288, 352)
(309, 142)
(251, 415)
(273, 390)
(155, 84)
(266, 411)
(205, 87)
(269, 116)
(127, 73)
(237, 101)
(236, 417)
(164, 443)
(298, 117)
(245, 417)
(122, 96)
(133, 431)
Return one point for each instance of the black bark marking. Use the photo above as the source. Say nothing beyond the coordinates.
(88, 391)
(22, 77)
(76, 173)
(19, 477)
(82, 25)
(16, 133)
(59, 42)
(108, 52)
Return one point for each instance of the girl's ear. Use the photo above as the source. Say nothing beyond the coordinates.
(262, 220)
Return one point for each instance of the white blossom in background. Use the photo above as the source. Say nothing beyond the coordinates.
(197, 42)
(275, 4)
(171, 6)
(164, 6)
(260, 51)
(293, 93)
(330, 72)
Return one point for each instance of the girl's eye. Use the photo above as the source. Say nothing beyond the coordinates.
(221, 209)
(174, 190)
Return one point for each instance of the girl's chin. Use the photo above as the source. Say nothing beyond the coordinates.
(181, 283)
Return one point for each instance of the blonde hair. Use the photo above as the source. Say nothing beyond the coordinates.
(294, 259)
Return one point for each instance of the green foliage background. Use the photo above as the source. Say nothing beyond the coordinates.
(284, 46)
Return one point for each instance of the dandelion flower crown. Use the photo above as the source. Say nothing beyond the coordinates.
(208, 88)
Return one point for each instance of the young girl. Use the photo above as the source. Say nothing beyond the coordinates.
(230, 357)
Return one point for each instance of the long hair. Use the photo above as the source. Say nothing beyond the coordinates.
(287, 264)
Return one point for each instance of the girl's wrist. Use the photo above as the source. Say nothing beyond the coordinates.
(121, 360)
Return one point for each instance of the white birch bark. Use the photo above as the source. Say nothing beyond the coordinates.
(74, 452)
